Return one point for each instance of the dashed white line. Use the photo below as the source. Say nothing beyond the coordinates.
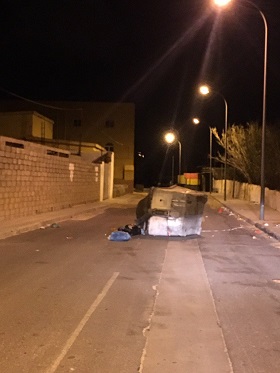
(82, 323)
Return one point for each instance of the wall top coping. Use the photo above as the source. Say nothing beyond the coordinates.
(75, 143)
(29, 144)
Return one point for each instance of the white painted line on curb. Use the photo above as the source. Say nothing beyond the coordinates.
(82, 323)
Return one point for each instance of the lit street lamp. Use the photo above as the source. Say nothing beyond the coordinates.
(222, 2)
(171, 138)
(205, 90)
(262, 194)
(197, 121)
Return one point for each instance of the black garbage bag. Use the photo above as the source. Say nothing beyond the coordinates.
(133, 230)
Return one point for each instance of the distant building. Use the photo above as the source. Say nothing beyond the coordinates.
(109, 124)
(25, 125)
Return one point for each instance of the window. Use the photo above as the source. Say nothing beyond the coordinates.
(77, 122)
(109, 147)
(110, 123)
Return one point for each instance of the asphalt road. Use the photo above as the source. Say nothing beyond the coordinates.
(243, 269)
(73, 301)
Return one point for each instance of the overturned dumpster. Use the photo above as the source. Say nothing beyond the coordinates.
(173, 211)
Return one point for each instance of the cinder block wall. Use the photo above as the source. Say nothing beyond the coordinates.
(248, 192)
(36, 179)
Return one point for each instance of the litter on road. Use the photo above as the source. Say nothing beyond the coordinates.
(54, 225)
(133, 230)
(119, 236)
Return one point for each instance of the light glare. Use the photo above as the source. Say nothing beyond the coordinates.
(204, 90)
(169, 137)
(222, 2)
(196, 121)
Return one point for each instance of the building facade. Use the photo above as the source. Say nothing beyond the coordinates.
(109, 124)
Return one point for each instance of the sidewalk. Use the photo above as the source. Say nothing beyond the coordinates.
(250, 212)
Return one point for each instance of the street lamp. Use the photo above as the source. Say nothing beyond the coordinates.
(171, 138)
(222, 2)
(210, 158)
(262, 194)
(197, 121)
(205, 90)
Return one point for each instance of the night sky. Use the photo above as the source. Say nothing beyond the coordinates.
(152, 53)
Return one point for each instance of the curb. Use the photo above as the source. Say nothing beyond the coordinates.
(268, 231)
(248, 220)
(28, 227)
(22, 225)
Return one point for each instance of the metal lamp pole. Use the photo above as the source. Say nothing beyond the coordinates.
(210, 160)
(170, 137)
(205, 90)
(172, 170)
(180, 156)
(226, 127)
(262, 194)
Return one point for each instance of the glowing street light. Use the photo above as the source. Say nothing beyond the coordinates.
(197, 121)
(262, 194)
(171, 138)
(205, 90)
(221, 2)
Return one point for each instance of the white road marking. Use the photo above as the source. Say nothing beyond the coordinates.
(82, 323)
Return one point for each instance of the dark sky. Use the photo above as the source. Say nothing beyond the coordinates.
(152, 53)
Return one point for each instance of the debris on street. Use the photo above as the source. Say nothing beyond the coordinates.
(133, 230)
(54, 225)
(119, 236)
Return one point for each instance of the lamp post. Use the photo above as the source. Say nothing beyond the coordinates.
(210, 157)
(205, 90)
(262, 194)
(170, 137)
(197, 121)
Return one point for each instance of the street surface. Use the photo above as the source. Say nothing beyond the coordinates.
(73, 301)
(243, 268)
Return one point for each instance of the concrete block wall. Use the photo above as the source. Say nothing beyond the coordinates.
(36, 179)
(249, 192)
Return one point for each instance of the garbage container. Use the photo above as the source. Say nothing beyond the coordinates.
(173, 211)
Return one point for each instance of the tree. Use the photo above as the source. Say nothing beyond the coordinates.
(244, 152)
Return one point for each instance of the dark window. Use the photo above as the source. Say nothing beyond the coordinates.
(14, 144)
(109, 147)
(77, 122)
(109, 124)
